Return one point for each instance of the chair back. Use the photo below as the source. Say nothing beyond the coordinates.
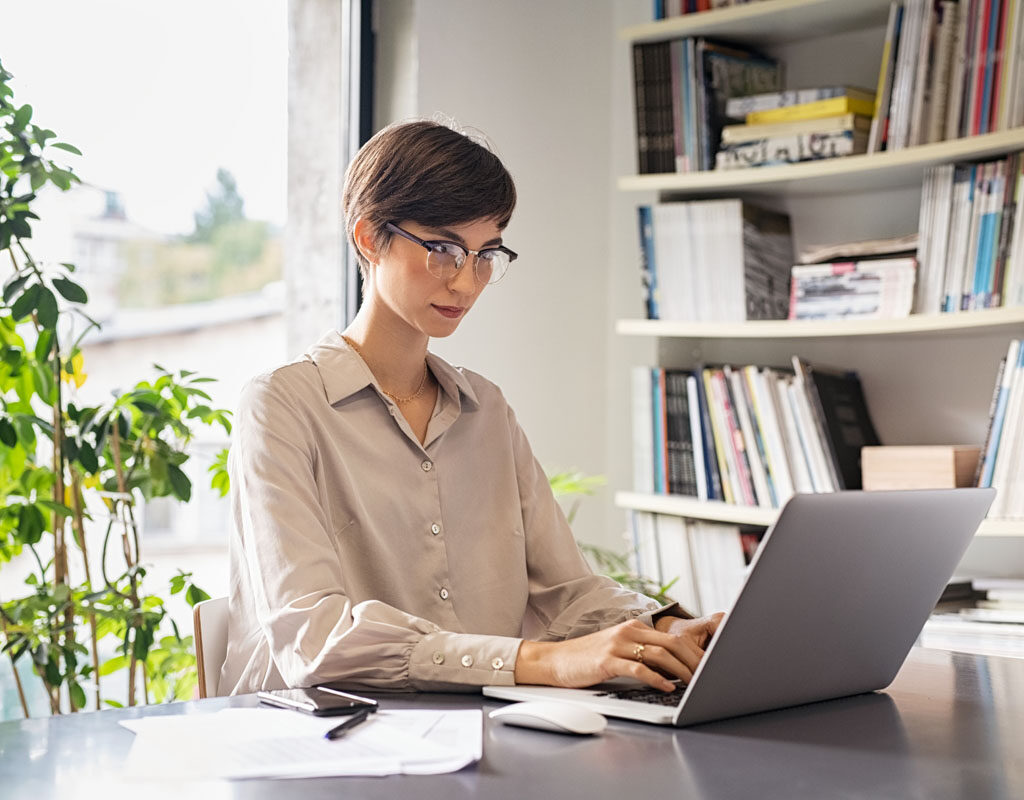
(210, 621)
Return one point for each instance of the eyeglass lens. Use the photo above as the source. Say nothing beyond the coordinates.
(444, 259)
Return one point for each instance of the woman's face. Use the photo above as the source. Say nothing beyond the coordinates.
(428, 304)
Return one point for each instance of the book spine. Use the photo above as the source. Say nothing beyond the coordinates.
(978, 67)
(735, 440)
(1004, 380)
(697, 437)
(1009, 210)
(988, 74)
(790, 149)
(640, 107)
(723, 451)
(884, 89)
(711, 464)
(954, 112)
(998, 57)
(753, 438)
(643, 431)
(658, 430)
(648, 267)
(816, 418)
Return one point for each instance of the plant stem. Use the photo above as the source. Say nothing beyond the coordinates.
(14, 669)
(115, 445)
(76, 500)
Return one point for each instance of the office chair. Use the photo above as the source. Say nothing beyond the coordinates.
(210, 622)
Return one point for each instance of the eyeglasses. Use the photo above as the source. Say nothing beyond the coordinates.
(445, 259)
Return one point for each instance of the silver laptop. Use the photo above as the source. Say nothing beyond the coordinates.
(834, 599)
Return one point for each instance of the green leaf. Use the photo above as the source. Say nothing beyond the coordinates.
(65, 146)
(62, 509)
(26, 304)
(195, 595)
(47, 308)
(180, 483)
(70, 290)
(87, 458)
(43, 346)
(22, 116)
(77, 694)
(14, 287)
(113, 703)
(8, 435)
(112, 665)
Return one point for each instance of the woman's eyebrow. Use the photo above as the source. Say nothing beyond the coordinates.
(453, 236)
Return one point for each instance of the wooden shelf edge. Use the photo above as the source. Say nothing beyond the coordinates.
(747, 515)
(960, 322)
(771, 21)
(881, 164)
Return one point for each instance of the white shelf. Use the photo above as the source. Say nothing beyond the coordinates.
(769, 22)
(963, 322)
(752, 515)
(696, 509)
(848, 174)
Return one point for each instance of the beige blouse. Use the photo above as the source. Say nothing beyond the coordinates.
(359, 555)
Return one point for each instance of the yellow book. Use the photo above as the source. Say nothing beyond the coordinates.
(831, 107)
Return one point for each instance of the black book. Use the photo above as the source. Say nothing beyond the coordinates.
(839, 406)
(682, 468)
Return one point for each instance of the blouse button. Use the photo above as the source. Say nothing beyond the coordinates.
(467, 660)
(427, 466)
(444, 594)
(497, 663)
(435, 529)
(438, 657)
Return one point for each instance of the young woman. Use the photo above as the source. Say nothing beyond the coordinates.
(392, 529)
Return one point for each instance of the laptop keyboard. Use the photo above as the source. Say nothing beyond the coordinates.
(653, 696)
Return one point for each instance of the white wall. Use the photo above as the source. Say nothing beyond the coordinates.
(536, 78)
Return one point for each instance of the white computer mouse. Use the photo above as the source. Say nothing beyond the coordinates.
(551, 716)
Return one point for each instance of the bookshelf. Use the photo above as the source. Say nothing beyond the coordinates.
(767, 23)
(752, 515)
(873, 172)
(991, 319)
(907, 362)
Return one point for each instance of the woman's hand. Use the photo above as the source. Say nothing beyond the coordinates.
(632, 649)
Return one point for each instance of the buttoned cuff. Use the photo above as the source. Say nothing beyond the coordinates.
(670, 610)
(445, 658)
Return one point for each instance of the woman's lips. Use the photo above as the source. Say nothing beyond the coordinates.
(451, 312)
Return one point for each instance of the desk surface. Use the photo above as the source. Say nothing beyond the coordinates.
(950, 726)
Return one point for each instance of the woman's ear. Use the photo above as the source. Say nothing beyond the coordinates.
(364, 235)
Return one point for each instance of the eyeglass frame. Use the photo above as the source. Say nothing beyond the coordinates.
(428, 245)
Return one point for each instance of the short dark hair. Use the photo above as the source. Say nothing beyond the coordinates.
(428, 173)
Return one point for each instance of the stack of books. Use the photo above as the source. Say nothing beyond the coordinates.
(792, 126)
(676, 8)
(1002, 458)
(714, 261)
(748, 435)
(986, 618)
(972, 236)
(681, 87)
(871, 289)
(949, 69)
(704, 563)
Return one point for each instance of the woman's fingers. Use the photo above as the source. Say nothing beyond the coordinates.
(664, 661)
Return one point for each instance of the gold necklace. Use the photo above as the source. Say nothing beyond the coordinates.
(400, 400)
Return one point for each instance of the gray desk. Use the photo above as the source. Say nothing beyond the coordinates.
(951, 726)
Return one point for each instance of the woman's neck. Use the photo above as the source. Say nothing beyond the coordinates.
(395, 357)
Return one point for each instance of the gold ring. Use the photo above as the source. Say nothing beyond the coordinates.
(638, 653)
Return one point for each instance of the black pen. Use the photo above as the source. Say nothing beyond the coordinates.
(340, 730)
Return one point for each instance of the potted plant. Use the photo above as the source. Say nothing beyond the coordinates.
(73, 476)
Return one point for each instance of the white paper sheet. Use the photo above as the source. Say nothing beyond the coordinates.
(275, 743)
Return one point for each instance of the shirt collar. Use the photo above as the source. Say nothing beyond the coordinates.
(344, 372)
